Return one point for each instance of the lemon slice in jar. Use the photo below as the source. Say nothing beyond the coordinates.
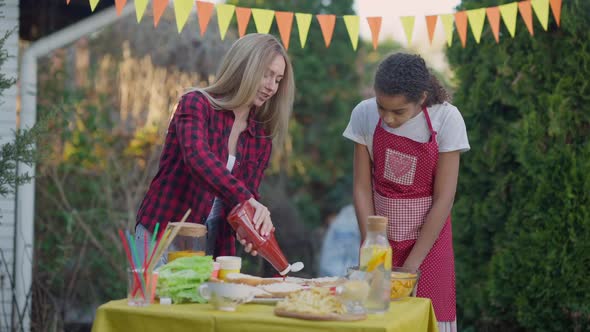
(380, 256)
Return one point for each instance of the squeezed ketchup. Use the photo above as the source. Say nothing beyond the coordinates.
(241, 220)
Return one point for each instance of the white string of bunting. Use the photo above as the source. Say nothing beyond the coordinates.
(263, 19)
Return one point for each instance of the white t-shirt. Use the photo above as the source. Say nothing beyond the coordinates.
(446, 121)
(217, 205)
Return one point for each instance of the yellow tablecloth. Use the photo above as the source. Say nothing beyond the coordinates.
(408, 315)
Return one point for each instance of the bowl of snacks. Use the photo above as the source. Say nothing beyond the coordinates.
(403, 282)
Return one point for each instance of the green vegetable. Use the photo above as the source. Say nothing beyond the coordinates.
(181, 278)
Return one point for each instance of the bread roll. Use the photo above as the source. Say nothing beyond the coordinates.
(246, 279)
(281, 289)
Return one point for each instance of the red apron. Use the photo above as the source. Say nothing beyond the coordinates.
(403, 182)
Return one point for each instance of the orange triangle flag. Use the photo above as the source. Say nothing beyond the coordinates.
(119, 4)
(556, 9)
(526, 11)
(327, 22)
(493, 14)
(285, 23)
(204, 11)
(159, 6)
(431, 24)
(461, 23)
(243, 16)
(375, 25)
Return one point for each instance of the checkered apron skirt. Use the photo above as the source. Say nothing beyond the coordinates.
(403, 183)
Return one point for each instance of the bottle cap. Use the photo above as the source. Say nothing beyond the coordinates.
(376, 223)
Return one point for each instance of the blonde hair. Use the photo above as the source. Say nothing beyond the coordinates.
(238, 80)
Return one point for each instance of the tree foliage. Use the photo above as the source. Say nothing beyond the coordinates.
(522, 216)
(20, 148)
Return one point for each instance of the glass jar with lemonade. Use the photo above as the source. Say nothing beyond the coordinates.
(375, 258)
(190, 241)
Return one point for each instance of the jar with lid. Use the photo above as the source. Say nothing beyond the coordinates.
(190, 241)
(376, 259)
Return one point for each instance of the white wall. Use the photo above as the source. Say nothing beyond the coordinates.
(8, 20)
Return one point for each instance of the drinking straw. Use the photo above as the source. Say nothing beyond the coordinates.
(145, 250)
(154, 236)
(148, 270)
(136, 256)
(157, 253)
(128, 252)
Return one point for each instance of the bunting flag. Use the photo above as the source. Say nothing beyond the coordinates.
(119, 4)
(285, 24)
(461, 22)
(303, 23)
(327, 23)
(447, 21)
(408, 24)
(243, 17)
(526, 12)
(204, 12)
(93, 4)
(159, 6)
(431, 26)
(140, 6)
(541, 8)
(263, 19)
(476, 19)
(493, 14)
(508, 12)
(225, 13)
(556, 10)
(182, 9)
(375, 25)
(352, 23)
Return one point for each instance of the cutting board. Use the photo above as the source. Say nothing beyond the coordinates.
(308, 316)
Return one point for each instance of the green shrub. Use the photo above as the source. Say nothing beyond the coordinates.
(522, 216)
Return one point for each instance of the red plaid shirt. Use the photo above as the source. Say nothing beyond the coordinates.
(193, 171)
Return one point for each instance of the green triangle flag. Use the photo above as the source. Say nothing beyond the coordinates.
(263, 19)
(448, 20)
(352, 26)
(140, 6)
(508, 12)
(541, 8)
(476, 19)
(225, 13)
(182, 9)
(408, 24)
(303, 23)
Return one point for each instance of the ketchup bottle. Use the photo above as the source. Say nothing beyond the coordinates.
(241, 219)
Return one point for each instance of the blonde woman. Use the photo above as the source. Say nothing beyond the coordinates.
(219, 143)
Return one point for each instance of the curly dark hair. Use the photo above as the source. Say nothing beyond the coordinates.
(407, 74)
